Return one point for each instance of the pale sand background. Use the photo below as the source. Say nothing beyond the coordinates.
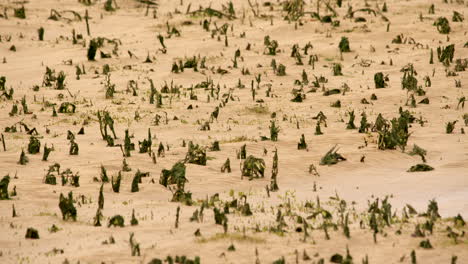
(383, 173)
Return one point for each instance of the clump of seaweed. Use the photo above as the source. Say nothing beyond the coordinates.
(116, 221)
(226, 166)
(196, 154)
(23, 160)
(20, 12)
(4, 187)
(332, 157)
(337, 69)
(294, 9)
(457, 17)
(274, 131)
(450, 126)
(394, 133)
(173, 176)
(380, 80)
(134, 246)
(145, 145)
(40, 33)
(34, 145)
(420, 167)
(66, 207)
(270, 46)
(445, 54)
(350, 124)
(442, 25)
(253, 167)
(344, 45)
(419, 152)
(46, 152)
(116, 183)
(133, 221)
(128, 145)
(32, 233)
(92, 49)
(176, 176)
(281, 70)
(409, 80)
(364, 126)
(302, 143)
(106, 121)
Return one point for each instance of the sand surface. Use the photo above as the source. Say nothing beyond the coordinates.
(241, 121)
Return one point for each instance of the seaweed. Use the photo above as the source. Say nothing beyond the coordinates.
(332, 157)
(442, 25)
(344, 45)
(426, 244)
(60, 81)
(298, 98)
(67, 208)
(108, 5)
(98, 217)
(116, 183)
(393, 134)
(128, 145)
(226, 166)
(145, 145)
(457, 17)
(116, 221)
(67, 108)
(40, 33)
(20, 12)
(418, 151)
(101, 197)
(215, 146)
(103, 175)
(196, 155)
(294, 9)
(34, 145)
(302, 143)
(106, 121)
(125, 166)
(450, 126)
(337, 69)
(318, 130)
(219, 216)
(92, 49)
(135, 181)
(281, 70)
(380, 80)
(350, 124)
(420, 167)
(74, 148)
(161, 151)
(4, 187)
(331, 92)
(270, 46)
(23, 160)
(133, 221)
(445, 54)
(174, 176)
(364, 126)
(253, 167)
(274, 172)
(32, 233)
(409, 80)
(109, 87)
